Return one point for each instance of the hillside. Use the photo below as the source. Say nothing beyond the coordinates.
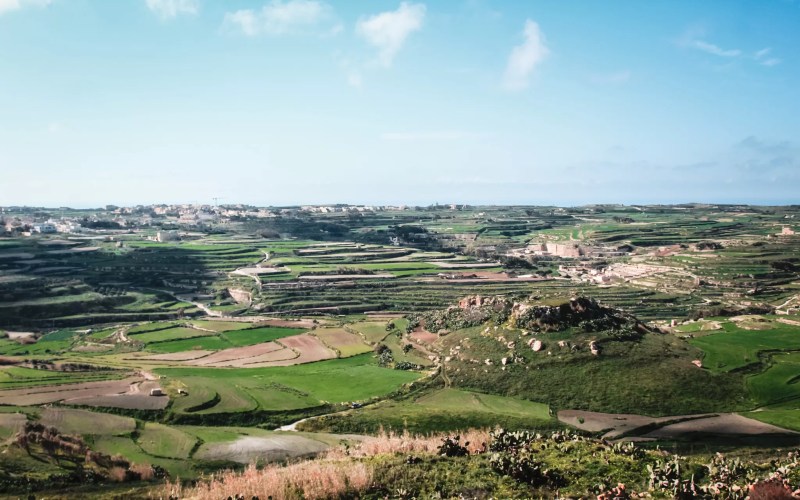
(496, 355)
(576, 354)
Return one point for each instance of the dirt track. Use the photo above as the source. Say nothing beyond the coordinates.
(671, 427)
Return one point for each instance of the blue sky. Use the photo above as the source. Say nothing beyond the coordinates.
(282, 102)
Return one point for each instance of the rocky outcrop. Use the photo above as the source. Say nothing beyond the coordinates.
(582, 312)
(241, 296)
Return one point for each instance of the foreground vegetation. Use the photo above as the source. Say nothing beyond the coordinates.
(504, 464)
(126, 361)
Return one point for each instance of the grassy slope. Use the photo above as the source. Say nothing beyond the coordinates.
(440, 410)
(652, 376)
(337, 380)
(736, 347)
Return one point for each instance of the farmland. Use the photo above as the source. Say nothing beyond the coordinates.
(191, 354)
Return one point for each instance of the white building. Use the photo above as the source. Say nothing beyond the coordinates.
(44, 227)
(163, 236)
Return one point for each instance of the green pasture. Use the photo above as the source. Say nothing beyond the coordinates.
(289, 387)
(735, 347)
(778, 384)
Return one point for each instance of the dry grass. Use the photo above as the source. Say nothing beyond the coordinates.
(334, 475)
(304, 480)
(392, 442)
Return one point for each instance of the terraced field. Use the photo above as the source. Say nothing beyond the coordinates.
(290, 387)
(267, 322)
(735, 346)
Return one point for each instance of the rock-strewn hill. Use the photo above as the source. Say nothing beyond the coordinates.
(583, 312)
(575, 354)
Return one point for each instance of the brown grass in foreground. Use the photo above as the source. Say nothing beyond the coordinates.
(333, 475)
(405, 442)
(304, 480)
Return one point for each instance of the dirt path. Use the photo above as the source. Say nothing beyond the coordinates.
(622, 426)
(788, 301)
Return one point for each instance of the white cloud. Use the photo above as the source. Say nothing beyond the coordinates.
(762, 57)
(389, 30)
(525, 57)
(9, 5)
(763, 53)
(694, 39)
(278, 17)
(167, 9)
(710, 48)
(12, 5)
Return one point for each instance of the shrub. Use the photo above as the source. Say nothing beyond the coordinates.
(451, 447)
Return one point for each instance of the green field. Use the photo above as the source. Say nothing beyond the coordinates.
(242, 389)
(84, 422)
(444, 409)
(735, 347)
(169, 334)
(373, 331)
(458, 400)
(187, 339)
(778, 385)
(473, 375)
(13, 377)
(164, 441)
(252, 336)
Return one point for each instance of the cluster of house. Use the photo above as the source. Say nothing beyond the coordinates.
(28, 226)
(329, 209)
(566, 250)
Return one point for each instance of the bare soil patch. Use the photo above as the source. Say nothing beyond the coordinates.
(73, 250)
(340, 339)
(752, 322)
(728, 423)
(255, 271)
(20, 335)
(310, 348)
(137, 398)
(220, 358)
(464, 265)
(423, 336)
(283, 323)
(126, 401)
(248, 449)
(330, 277)
(670, 427)
(176, 356)
(54, 393)
(265, 359)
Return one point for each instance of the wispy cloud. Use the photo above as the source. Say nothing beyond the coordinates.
(389, 30)
(695, 39)
(716, 50)
(279, 18)
(168, 9)
(525, 57)
(11, 5)
(764, 58)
